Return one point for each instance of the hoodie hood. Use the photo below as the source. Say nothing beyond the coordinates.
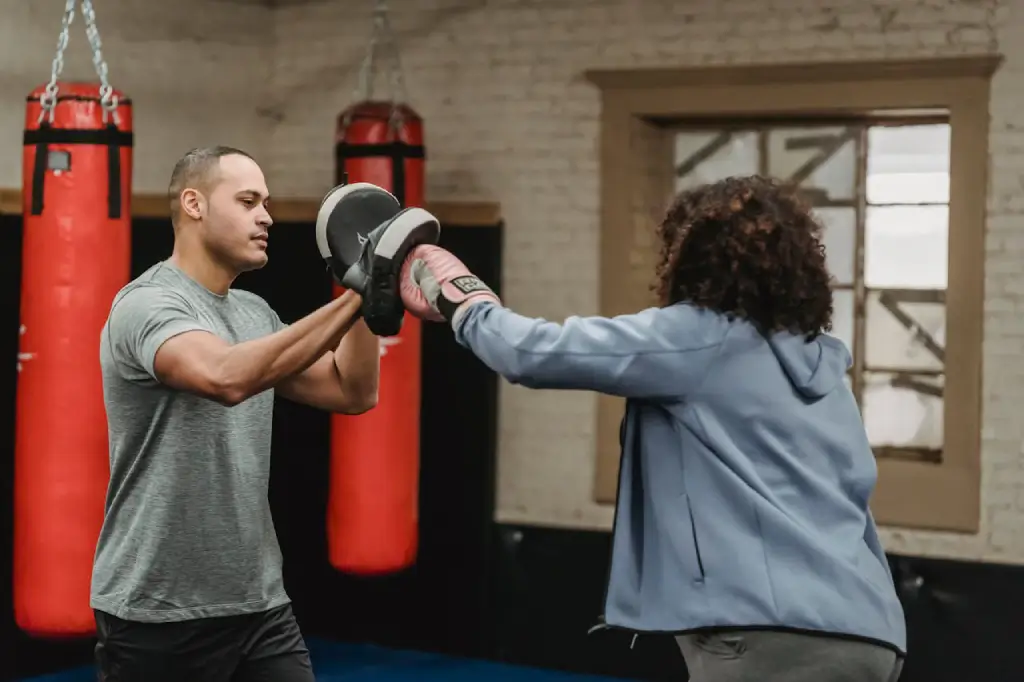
(813, 367)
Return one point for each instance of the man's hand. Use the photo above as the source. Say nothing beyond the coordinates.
(364, 235)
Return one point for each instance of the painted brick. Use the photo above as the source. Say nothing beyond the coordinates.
(195, 70)
(509, 119)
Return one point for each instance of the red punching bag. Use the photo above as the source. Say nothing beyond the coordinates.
(76, 177)
(373, 504)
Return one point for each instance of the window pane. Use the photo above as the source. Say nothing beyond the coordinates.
(840, 238)
(908, 164)
(842, 317)
(903, 335)
(711, 156)
(903, 410)
(906, 247)
(830, 152)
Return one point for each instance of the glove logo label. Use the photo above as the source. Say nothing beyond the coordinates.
(468, 284)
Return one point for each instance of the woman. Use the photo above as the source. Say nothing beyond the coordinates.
(742, 523)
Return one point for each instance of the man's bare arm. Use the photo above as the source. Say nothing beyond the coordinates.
(345, 380)
(201, 363)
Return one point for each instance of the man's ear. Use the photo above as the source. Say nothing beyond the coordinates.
(192, 203)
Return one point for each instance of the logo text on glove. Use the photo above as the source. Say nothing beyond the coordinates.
(469, 284)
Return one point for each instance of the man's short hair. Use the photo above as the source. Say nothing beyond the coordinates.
(196, 169)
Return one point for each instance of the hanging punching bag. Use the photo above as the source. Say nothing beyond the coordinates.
(77, 169)
(373, 503)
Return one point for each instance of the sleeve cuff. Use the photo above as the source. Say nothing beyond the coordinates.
(158, 339)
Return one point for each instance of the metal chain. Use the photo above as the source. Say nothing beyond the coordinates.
(397, 78)
(48, 99)
(381, 37)
(108, 100)
(364, 85)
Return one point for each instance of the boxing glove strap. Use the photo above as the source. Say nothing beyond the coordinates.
(468, 287)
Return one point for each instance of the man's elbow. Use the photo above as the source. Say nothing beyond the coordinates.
(212, 385)
(228, 394)
(360, 403)
(230, 390)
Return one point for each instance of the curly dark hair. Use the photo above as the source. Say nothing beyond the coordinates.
(749, 248)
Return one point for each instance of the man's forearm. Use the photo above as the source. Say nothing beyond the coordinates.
(254, 366)
(357, 359)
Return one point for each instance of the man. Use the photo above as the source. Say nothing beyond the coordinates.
(743, 523)
(187, 582)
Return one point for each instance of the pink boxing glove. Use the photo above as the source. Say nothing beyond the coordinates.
(437, 286)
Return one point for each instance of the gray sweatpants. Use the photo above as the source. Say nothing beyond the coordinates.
(771, 656)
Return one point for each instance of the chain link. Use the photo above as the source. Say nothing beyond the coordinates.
(108, 100)
(48, 99)
(364, 85)
(397, 76)
(382, 44)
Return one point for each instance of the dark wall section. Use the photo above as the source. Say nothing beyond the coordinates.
(550, 584)
(963, 620)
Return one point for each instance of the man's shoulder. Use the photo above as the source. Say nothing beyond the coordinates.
(154, 294)
(159, 273)
(155, 277)
(156, 283)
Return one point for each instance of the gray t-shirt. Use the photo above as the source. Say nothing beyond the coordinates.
(188, 531)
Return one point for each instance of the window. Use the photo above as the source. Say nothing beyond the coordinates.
(894, 156)
(881, 189)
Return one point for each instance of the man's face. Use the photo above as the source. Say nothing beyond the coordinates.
(236, 224)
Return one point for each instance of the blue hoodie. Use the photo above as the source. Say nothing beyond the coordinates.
(745, 474)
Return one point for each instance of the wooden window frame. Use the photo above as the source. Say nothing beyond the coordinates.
(910, 494)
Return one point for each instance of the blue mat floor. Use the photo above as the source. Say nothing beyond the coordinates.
(343, 662)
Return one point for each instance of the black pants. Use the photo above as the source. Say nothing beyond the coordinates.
(258, 647)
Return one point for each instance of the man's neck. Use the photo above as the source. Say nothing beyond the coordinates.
(203, 270)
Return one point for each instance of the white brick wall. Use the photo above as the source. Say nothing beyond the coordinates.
(196, 71)
(509, 119)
